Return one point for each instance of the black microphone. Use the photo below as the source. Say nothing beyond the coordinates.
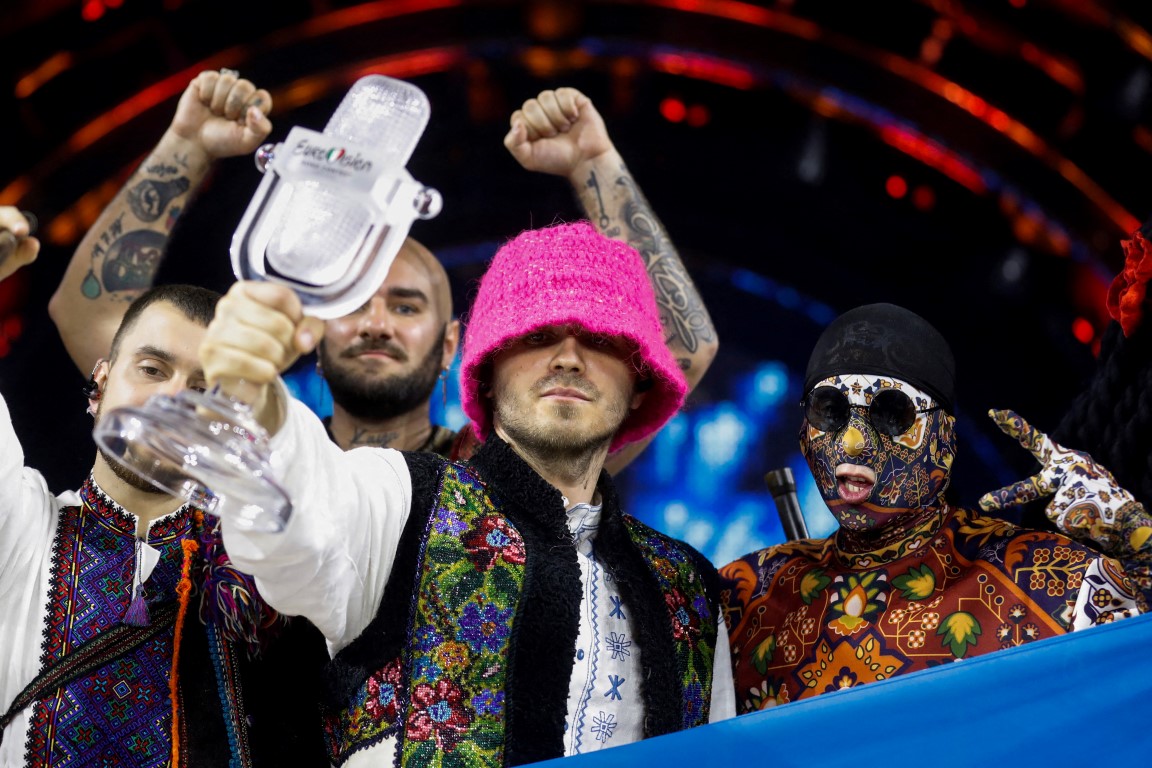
(782, 485)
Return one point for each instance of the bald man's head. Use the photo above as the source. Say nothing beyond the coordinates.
(383, 360)
(423, 259)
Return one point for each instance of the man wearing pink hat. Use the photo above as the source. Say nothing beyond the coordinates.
(505, 610)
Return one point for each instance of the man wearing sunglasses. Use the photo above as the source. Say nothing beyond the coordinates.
(907, 582)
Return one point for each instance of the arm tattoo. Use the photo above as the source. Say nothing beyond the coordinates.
(149, 199)
(682, 311)
(132, 261)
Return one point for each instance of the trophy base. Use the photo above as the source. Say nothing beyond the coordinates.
(201, 447)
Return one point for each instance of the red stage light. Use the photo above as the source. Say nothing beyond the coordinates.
(698, 115)
(92, 10)
(896, 186)
(673, 110)
(923, 198)
(1083, 331)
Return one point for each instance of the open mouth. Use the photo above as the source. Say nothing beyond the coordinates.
(855, 483)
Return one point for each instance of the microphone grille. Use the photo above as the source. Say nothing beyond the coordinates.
(382, 112)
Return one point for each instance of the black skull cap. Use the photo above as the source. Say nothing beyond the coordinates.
(886, 340)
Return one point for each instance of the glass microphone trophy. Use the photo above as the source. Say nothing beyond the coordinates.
(327, 220)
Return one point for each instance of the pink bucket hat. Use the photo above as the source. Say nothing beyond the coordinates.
(570, 273)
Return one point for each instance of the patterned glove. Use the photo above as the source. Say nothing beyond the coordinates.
(1088, 503)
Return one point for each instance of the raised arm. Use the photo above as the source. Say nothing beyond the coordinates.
(219, 115)
(561, 133)
(332, 560)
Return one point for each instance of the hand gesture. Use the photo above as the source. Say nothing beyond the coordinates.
(17, 246)
(223, 113)
(556, 132)
(1087, 501)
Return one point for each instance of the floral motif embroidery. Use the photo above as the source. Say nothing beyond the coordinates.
(469, 583)
(438, 714)
(492, 538)
(372, 714)
(693, 620)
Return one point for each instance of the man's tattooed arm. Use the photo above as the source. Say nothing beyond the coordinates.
(620, 210)
(560, 132)
(120, 255)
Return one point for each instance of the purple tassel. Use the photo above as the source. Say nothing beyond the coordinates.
(137, 613)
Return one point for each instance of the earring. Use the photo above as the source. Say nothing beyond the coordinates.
(91, 388)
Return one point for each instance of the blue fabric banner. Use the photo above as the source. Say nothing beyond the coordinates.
(1078, 699)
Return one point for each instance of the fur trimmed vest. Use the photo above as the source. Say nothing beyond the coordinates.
(472, 647)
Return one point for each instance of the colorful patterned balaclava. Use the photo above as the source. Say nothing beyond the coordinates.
(886, 482)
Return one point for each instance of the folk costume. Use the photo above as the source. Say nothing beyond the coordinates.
(474, 615)
(152, 651)
(908, 581)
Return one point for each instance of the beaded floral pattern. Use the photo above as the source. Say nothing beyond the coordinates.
(691, 614)
(470, 578)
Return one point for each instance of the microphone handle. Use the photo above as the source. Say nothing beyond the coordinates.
(782, 486)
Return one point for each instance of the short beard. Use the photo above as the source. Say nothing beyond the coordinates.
(567, 453)
(379, 398)
(129, 477)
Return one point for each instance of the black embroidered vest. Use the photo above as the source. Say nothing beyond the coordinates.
(472, 647)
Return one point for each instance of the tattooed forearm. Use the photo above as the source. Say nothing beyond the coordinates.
(682, 312)
(150, 198)
(132, 261)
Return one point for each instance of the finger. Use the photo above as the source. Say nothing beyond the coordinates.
(237, 99)
(554, 111)
(1031, 439)
(224, 81)
(227, 365)
(274, 309)
(256, 125)
(517, 135)
(205, 86)
(308, 334)
(262, 100)
(26, 251)
(14, 221)
(570, 101)
(536, 120)
(1033, 488)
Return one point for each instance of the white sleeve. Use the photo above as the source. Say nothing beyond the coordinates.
(28, 520)
(331, 562)
(723, 687)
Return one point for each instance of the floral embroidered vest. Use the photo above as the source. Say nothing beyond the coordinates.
(479, 675)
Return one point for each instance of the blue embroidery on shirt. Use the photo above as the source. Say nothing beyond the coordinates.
(603, 726)
(617, 608)
(616, 681)
(619, 644)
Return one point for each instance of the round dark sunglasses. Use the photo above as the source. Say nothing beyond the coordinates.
(891, 412)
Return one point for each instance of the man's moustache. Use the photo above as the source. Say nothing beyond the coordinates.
(375, 346)
(568, 381)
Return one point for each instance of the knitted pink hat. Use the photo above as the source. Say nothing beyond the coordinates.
(564, 274)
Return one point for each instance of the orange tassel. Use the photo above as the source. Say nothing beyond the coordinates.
(183, 590)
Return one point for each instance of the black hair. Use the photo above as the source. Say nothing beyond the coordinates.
(195, 303)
